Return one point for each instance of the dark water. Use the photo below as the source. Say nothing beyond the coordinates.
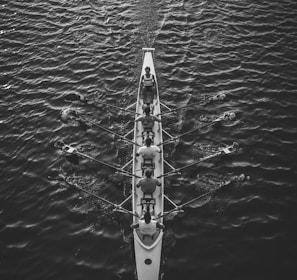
(51, 51)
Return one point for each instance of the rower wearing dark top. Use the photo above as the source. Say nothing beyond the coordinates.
(147, 120)
(148, 83)
(148, 184)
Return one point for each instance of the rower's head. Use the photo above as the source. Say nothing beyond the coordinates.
(148, 173)
(147, 69)
(147, 217)
(147, 110)
(148, 142)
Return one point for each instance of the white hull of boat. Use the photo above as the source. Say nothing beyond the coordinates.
(148, 249)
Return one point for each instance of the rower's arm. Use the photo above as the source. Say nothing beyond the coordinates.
(156, 119)
(160, 225)
(138, 119)
(138, 153)
(154, 81)
(134, 226)
(142, 78)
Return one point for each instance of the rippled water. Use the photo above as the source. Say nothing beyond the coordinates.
(53, 51)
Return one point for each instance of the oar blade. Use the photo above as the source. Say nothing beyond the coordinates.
(200, 202)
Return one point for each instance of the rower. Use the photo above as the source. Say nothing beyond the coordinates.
(148, 120)
(148, 83)
(148, 225)
(148, 152)
(148, 184)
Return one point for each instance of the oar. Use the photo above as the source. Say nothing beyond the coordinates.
(116, 206)
(179, 108)
(117, 107)
(227, 150)
(201, 102)
(110, 131)
(173, 139)
(200, 127)
(179, 208)
(215, 121)
(70, 150)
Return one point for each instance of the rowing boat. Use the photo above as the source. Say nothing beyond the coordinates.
(148, 248)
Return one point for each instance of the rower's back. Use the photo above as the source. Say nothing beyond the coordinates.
(148, 184)
(148, 120)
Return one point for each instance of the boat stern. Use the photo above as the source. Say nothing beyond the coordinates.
(148, 258)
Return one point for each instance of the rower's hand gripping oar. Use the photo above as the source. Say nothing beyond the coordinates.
(71, 150)
(117, 207)
(222, 151)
